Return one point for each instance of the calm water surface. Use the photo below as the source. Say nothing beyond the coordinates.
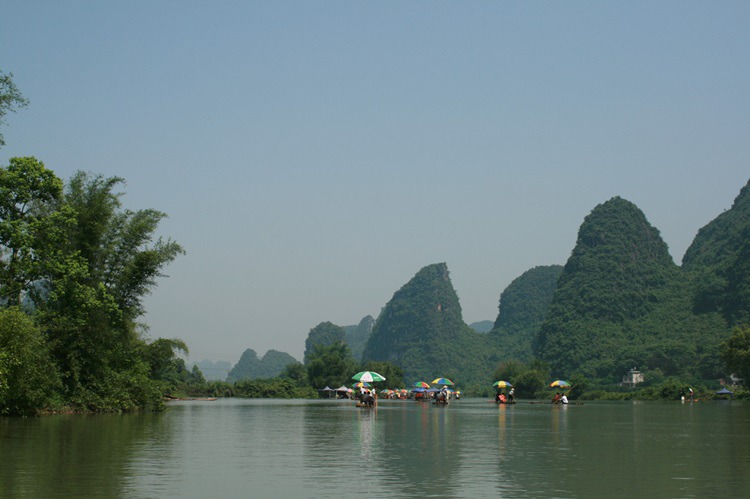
(328, 448)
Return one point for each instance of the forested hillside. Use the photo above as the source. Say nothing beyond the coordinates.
(622, 302)
(356, 336)
(522, 310)
(619, 302)
(422, 331)
(718, 262)
(324, 334)
(251, 367)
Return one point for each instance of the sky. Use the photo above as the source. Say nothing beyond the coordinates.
(312, 157)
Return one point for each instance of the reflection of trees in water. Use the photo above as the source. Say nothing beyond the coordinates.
(70, 455)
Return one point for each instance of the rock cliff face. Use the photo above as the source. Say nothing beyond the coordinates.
(421, 330)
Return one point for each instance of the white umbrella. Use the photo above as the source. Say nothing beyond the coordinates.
(368, 377)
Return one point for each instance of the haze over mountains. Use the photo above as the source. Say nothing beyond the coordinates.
(619, 301)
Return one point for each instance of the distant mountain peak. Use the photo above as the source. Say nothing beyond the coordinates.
(421, 329)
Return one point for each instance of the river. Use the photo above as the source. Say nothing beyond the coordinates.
(329, 448)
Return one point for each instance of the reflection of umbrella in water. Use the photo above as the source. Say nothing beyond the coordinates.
(560, 384)
(442, 381)
(421, 384)
(368, 376)
(502, 384)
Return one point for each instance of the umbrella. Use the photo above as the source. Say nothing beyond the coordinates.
(559, 383)
(368, 376)
(724, 391)
(327, 389)
(502, 384)
(442, 381)
(360, 385)
(421, 384)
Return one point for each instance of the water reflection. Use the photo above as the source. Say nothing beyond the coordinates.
(70, 455)
(471, 448)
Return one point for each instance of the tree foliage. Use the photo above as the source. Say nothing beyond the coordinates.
(735, 351)
(81, 265)
(324, 334)
(28, 378)
(331, 365)
(11, 99)
(29, 227)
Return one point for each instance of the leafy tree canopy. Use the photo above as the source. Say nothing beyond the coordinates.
(331, 365)
(735, 351)
(324, 334)
(11, 99)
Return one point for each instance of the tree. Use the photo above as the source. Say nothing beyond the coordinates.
(331, 365)
(196, 376)
(10, 99)
(297, 372)
(161, 356)
(27, 376)
(118, 245)
(508, 370)
(736, 353)
(98, 263)
(324, 334)
(30, 227)
(94, 297)
(394, 375)
(529, 383)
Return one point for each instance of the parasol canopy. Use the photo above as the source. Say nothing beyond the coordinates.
(442, 381)
(502, 384)
(368, 376)
(559, 383)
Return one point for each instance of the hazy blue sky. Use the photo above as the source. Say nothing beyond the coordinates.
(313, 156)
